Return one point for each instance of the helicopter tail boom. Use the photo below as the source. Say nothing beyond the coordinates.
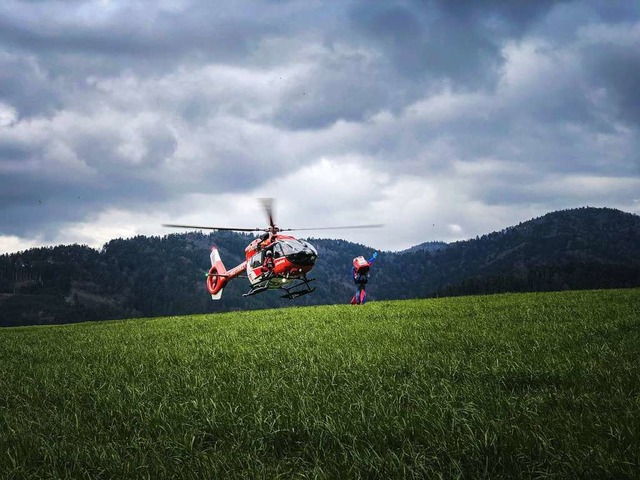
(218, 275)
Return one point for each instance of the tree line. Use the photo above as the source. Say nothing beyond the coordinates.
(165, 275)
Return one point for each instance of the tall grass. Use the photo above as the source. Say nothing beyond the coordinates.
(504, 386)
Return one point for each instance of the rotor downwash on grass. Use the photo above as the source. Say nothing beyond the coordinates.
(503, 386)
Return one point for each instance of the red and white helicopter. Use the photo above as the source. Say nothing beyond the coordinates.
(273, 261)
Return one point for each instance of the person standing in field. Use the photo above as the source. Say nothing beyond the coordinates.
(360, 274)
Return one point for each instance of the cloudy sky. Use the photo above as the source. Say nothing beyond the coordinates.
(440, 119)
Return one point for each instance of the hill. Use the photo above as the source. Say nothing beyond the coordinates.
(150, 276)
(500, 386)
(426, 246)
(570, 249)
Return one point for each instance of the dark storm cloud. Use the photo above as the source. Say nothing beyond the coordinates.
(345, 86)
(443, 39)
(514, 15)
(26, 85)
(617, 69)
(421, 42)
(42, 205)
(131, 104)
(12, 153)
(615, 11)
(48, 49)
(129, 29)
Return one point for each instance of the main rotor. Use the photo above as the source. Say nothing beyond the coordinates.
(267, 204)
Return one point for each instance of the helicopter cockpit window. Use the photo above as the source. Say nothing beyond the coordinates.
(288, 247)
(256, 260)
(309, 246)
(277, 250)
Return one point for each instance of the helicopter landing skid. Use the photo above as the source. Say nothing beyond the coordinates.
(298, 289)
(257, 289)
(260, 287)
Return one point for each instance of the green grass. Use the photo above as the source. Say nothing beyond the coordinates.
(505, 386)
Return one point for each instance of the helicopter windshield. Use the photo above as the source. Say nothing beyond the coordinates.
(297, 251)
(288, 247)
(309, 246)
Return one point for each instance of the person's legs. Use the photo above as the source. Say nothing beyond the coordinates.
(363, 296)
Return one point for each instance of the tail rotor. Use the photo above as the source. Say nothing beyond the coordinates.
(216, 278)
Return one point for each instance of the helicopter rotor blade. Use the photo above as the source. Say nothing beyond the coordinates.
(267, 204)
(222, 229)
(344, 227)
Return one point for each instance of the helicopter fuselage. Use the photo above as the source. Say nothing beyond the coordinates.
(291, 260)
(273, 260)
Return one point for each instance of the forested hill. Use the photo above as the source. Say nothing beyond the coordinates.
(151, 276)
(581, 248)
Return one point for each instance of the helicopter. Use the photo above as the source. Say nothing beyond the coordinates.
(273, 261)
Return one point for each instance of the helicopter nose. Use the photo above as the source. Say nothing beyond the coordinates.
(305, 256)
(311, 255)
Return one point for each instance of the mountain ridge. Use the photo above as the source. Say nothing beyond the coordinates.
(144, 276)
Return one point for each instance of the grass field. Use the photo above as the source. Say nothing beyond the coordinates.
(504, 386)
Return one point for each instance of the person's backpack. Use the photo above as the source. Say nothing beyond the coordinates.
(361, 266)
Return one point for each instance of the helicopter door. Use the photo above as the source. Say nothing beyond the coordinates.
(254, 266)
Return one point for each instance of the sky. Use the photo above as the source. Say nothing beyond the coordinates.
(440, 119)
